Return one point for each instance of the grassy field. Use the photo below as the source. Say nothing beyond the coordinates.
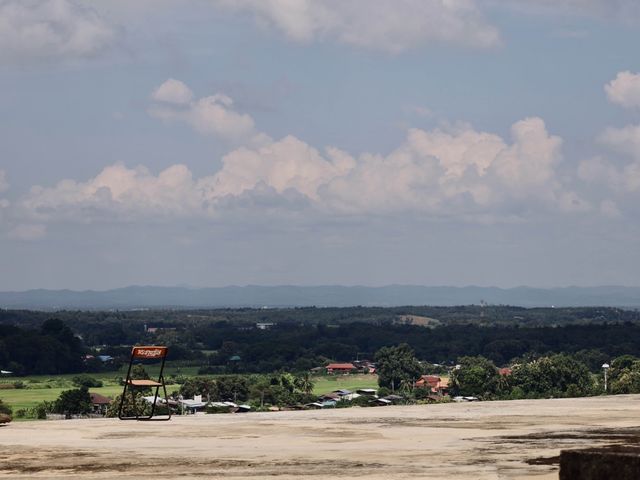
(349, 382)
(48, 387)
(39, 388)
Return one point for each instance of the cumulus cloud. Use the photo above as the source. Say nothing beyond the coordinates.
(620, 177)
(212, 115)
(624, 90)
(119, 192)
(173, 91)
(460, 172)
(386, 25)
(46, 29)
(457, 172)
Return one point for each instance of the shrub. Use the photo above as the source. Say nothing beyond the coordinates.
(40, 410)
(72, 402)
(133, 403)
(86, 381)
(4, 408)
(22, 413)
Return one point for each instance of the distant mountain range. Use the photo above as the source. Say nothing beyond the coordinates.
(321, 296)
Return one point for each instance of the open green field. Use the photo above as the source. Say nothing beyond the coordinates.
(326, 384)
(39, 388)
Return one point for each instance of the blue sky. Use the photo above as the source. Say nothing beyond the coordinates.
(216, 142)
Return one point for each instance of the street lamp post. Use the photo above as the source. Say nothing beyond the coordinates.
(605, 368)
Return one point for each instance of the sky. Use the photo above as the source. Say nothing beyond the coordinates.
(314, 142)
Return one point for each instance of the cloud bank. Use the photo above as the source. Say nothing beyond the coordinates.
(385, 25)
(456, 172)
(450, 172)
(620, 177)
(51, 29)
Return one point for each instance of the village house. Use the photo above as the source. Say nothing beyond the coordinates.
(436, 384)
(343, 368)
(99, 403)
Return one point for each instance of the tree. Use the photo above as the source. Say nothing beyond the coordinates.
(233, 387)
(260, 388)
(304, 383)
(476, 376)
(204, 386)
(139, 373)
(624, 375)
(553, 376)
(134, 403)
(395, 364)
(70, 402)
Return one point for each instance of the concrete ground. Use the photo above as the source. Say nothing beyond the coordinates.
(484, 440)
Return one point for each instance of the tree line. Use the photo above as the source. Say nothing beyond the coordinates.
(221, 347)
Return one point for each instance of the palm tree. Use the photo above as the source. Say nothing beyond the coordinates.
(304, 382)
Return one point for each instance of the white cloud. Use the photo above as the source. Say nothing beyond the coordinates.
(46, 29)
(459, 172)
(386, 25)
(212, 115)
(282, 165)
(455, 173)
(619, 178)
(624, 140)
(597, 170)
(173, 91)
(624, 90)
(117, 191)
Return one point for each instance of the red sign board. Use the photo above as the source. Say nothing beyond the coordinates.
(149, 352)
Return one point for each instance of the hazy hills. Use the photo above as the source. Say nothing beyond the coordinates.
(339, 296)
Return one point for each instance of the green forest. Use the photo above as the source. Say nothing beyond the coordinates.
(265, 356)
(298, 339)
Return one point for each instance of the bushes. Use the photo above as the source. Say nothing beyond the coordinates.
(86, 381)
(132, 404)
(624, 375)
(551, 376)
(5, 409)
(73, 402)
(39, 412)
